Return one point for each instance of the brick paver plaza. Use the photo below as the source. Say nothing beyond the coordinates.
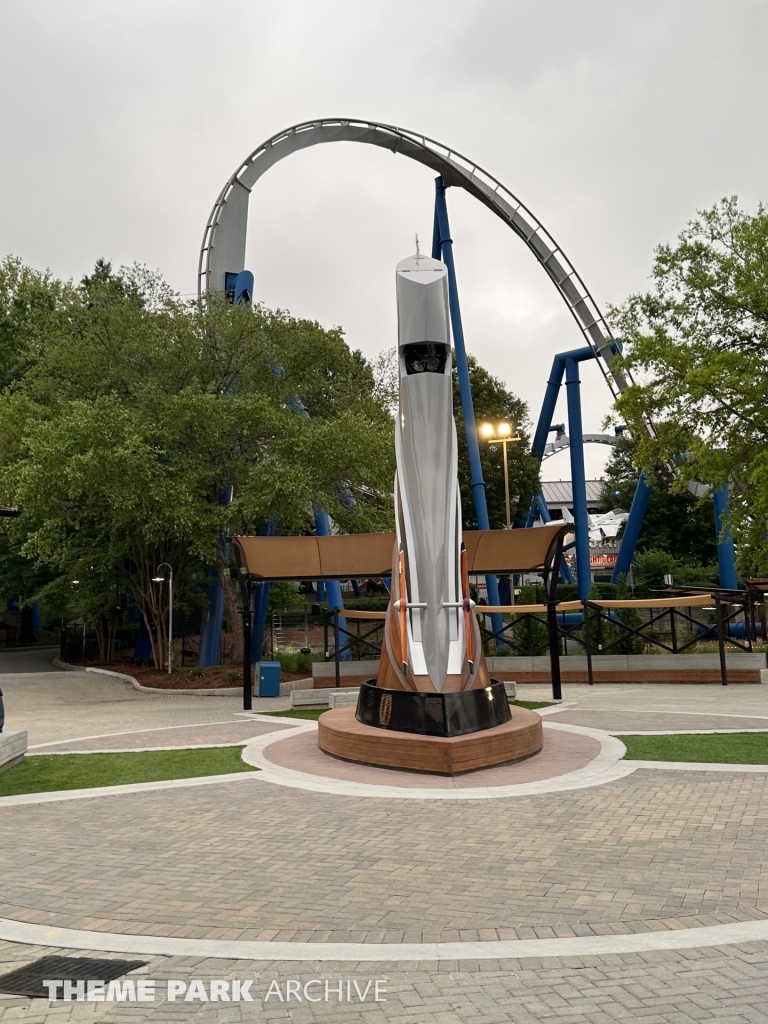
(654, 852)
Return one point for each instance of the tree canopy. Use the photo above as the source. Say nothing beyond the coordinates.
(138, 429)
(675, 521)
(137, 411)
(698, 345)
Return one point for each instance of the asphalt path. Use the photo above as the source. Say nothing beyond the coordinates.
(28, 659)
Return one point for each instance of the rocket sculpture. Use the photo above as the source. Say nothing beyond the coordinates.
(432, 640)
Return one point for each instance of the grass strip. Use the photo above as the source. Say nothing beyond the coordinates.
(312, 714)
(52, 772)
(717, 748)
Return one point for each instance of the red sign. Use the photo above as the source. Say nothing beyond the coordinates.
(598, 560)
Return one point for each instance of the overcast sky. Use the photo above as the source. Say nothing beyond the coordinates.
(613, 120)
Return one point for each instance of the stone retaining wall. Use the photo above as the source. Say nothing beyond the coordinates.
(13, 747)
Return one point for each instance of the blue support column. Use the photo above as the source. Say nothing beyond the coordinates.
(542, 431)
(442, 248)
(726, 553)
(632, 528)
(209, 652)
(260, 598)
(212, 621)
(333, 587)
(543, 426)
(578, 478)
(548, 407)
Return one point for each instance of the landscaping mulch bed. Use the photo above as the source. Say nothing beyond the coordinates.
(215, 678)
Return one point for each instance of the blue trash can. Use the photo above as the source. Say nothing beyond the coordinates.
(269, 679)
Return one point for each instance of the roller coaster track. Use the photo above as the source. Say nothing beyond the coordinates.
(223, 248)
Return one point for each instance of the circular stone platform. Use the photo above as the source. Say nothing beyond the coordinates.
(297, 752)
(342, 736)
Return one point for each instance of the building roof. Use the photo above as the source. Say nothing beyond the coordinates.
(559, 493)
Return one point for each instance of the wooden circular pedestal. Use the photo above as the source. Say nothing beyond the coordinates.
(342, 736)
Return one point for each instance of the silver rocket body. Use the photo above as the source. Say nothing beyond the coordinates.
(426, 486)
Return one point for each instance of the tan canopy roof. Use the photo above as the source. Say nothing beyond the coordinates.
(363, 555)
(512, 550)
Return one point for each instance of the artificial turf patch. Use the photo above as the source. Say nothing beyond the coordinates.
(44, 773)
(717, 748)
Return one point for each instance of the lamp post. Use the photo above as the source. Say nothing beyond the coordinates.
(161, 579)
(503, 433)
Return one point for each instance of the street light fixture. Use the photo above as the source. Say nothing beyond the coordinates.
(502, 433)
(161, 579)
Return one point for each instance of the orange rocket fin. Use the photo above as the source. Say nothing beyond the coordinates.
(403, 613)
(467, 608)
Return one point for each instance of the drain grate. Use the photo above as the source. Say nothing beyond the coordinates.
(28, 981)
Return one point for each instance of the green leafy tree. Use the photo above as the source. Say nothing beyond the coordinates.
(494, 403)
(698, 343)
(653, 564)
(139, 410)
(27, 300)
(675, 521)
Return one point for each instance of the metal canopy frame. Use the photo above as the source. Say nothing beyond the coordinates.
(223, 247)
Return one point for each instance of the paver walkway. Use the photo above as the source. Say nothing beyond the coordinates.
(245, 859)
(725, 985)
(653, 850)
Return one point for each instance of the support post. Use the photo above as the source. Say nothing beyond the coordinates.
(550, 586)
(632, 528)
(247, 657)
(209, 652)
(578, 479)
(260, 601)
(336, 653)
(726, 553)
(721, 640)
(332, 587)
(442, 248)
(554, 648)
(587, 644)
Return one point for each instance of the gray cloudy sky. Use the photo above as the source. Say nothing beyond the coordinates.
(613, 120)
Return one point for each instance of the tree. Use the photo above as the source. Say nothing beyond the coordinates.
(699, 344)
(674, 521)
(139, 410)
(27, 299)
(493, 402)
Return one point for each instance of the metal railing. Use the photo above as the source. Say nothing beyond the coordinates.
(596, 627)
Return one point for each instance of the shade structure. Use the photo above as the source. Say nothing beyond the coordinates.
(369, 555)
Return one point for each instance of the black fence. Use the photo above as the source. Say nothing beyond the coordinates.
(79, 647)
(674, 623)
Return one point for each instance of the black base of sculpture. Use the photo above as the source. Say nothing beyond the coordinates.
(433, 714)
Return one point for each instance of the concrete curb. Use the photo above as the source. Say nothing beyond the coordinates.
(229, 691)
(738, 932)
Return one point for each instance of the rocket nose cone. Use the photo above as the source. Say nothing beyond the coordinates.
(421, 265)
